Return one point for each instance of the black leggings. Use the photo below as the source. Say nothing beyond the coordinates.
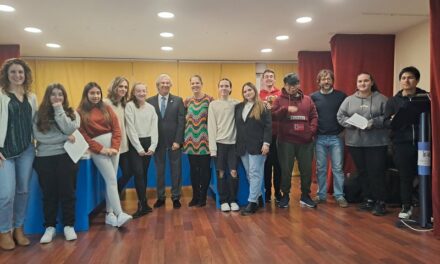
(139, 167)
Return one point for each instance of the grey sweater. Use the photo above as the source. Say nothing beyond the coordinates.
(52, 142)
(372, 107)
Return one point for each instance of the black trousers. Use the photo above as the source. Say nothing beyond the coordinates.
(139, 167)
(272, 162)
(371, 165)
(124, 164)
(200, 175)
(57, 177)
(405, 159)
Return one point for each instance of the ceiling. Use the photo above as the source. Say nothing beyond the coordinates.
(208, 30)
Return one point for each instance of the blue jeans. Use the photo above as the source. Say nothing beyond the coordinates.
(15, 175)
(330, 146)
(254, 166)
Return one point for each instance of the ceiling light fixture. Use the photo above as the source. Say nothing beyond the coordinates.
(166, 48)
(166, 35)
(303, 20)
(165, 15)
(53, 45)
(6, 8)
(282, 37)
(266, 50)
(32, 29)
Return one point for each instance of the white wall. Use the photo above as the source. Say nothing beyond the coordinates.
(412, 49)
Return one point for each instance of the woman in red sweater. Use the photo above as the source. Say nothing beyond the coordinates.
(100, 128)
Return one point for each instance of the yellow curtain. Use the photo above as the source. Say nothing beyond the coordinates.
(147, 72)
(281, 69)
(210, 73)
(238, 73)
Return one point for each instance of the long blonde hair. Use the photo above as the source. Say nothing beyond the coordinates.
(258, 108)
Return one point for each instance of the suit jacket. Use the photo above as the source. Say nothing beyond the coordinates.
(172, 125)
(252, 133)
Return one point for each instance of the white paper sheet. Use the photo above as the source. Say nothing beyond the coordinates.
(78, 148)
(357, 121)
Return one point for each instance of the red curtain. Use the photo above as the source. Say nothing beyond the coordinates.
(352, 54)
(9, 51)
(309, 64)
(435, 110)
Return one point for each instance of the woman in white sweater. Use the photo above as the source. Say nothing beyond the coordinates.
(141, 125)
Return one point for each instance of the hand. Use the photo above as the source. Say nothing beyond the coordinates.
(113, 151)
(2, 158)
(57, 104)
(105, 152)
(264, 149)
(142, 153)
(175, 146)
(214, 154)
(370, 124)
(267, 105)
(71, 138)
(149, 153)
(292, 109)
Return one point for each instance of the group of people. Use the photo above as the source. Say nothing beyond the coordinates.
(267, 131)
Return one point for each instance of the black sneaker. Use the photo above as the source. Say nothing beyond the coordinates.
(267, 197)
(379, 208)
(366, 205)
(176, 204)
(193, 202)
(159, 203)
(406, 211)
(284, 201)
(307, 201)
(278, 197)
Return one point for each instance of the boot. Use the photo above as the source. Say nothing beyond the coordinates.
(251, 208)
(143, 209)
(6, 241)
(20, 238)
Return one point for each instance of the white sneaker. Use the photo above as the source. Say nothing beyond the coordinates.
(123, 218)
(111, 219)
(406, 212)
(235, 207)
(49, 234)
(69, 233)
(225, 207)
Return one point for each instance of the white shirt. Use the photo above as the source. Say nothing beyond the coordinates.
(140, 123)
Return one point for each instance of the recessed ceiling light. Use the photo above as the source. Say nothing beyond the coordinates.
(6, 8)
(266, 50)
(32, 29)
(282, 37)
(166, 35)
(166, 48)
(303, 20)
(53, 45)
(165, 14)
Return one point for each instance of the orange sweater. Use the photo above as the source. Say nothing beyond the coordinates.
(97, 126)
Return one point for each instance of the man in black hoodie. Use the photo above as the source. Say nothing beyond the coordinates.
(405, 138)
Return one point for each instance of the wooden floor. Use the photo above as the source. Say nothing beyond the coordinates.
(328, 234)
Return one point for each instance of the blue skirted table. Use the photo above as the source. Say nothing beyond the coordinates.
(90, 192)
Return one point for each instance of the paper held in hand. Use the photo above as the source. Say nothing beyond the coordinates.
(357, 121)
(78, 148)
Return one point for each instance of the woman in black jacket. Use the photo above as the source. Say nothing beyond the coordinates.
(254, 134)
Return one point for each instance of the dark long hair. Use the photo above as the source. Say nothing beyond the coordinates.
(4, 79)
(85, 106)
(45, 111)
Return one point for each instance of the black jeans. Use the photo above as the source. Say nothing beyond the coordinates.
(272, 162)
(405, 159)
(57, 177)
(200, 175)
(371, 166)
(124, 164)
(139, 167)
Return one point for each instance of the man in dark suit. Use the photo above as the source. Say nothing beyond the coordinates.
(171, 113)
